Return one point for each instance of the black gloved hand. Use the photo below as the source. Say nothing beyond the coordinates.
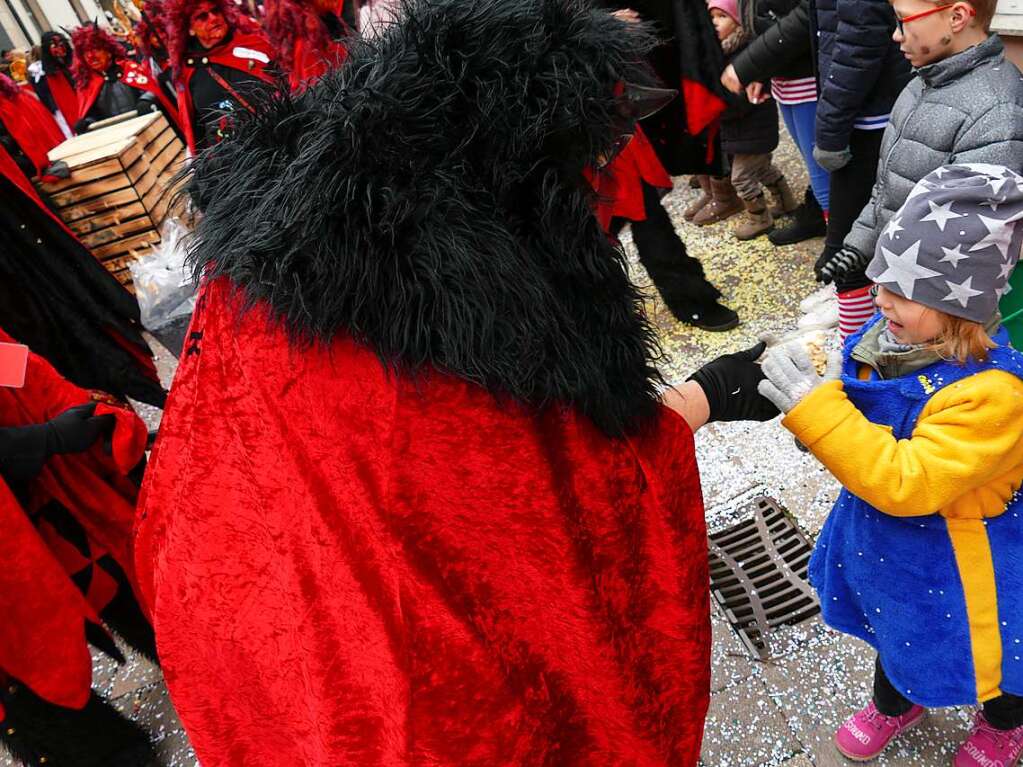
(83, 125)
(836, 266)
(730, 383)
(76, 430)
(59, 169)
(22, 452)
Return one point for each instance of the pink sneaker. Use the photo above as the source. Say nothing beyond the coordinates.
(868, 732)
(988, 747)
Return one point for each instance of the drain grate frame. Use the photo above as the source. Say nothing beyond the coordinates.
(758, 574)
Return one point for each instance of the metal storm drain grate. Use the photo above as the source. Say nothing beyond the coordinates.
(758, 574)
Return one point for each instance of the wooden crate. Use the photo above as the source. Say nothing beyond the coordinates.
(119, 190)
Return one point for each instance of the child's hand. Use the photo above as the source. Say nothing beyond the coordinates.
(791, 375)
(626, 14)
(731, 80)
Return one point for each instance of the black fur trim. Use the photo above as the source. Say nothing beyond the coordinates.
(428, 199)
(95, 736)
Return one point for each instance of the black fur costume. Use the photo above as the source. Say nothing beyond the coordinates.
(423, 200)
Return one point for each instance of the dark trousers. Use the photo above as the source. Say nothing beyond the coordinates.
(1003, 713)
(678, 277)
(850, 192)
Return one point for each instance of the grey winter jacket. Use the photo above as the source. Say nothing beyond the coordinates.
(967, 108)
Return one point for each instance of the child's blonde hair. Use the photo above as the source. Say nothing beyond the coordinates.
(961, 339)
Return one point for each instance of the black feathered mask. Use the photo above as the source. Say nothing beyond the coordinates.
(428, 199)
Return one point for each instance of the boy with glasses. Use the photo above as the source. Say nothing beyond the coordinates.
(965, 105)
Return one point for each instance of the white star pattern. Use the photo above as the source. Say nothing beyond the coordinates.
(962, 292)
(999, 235)
(993, 203)
(922, 187)
(1006, 269)
(954, 255)
(895, 225)
(940, 214)
(903, 269)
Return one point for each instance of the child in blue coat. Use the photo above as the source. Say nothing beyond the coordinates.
(921, 420)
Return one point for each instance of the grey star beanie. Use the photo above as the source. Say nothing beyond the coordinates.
(955, 241)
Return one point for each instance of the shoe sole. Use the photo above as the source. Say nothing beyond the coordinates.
(862, 759)
(788, 242)
(1013, 763)
(717, 328)
(748, 237)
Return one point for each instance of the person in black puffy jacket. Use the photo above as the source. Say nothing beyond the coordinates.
(861, 74)
(749, 135)
(781, 54)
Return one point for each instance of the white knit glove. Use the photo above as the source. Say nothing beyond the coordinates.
(791, 374)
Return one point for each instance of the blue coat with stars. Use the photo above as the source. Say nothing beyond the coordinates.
(894, 582)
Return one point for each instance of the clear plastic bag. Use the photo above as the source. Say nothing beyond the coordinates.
(163, 281)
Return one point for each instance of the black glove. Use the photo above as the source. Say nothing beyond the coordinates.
(59, 169)
(83, 125)
(730, 383)
(76, 430)
(22, 452)
(836, 266)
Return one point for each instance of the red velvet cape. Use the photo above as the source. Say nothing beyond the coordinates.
(138, 76)
(64, 95)
(619, 185)
(225, 56)
(42, 633)
(309, 63)
(32, 125)
(346, 567)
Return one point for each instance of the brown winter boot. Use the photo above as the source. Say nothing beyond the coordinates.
(725, 203)
(702, 200)
(758, 220)
(782, 199)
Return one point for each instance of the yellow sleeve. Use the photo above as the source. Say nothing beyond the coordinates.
(968, 434)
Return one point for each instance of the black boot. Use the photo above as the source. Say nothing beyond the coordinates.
(807, 221)
(678, 277)
(42, 734)
(714, 317)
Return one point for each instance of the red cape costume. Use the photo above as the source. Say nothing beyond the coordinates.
(42, 634)
(64, 95)
(689, 59)
(415, 500)
(245, 52)
(138, 76)
(424, 575)
(31, 125)
(309, 62)
(619, 185)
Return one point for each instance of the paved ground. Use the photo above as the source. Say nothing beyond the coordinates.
(781, 712)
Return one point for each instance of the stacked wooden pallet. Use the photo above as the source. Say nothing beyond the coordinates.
(119, 190)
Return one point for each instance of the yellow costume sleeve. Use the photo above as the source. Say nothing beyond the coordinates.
(968, 435)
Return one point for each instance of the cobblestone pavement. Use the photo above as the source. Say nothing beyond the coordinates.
(780, 712)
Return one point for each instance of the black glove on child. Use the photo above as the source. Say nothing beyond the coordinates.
(836, 266)
(730, 383)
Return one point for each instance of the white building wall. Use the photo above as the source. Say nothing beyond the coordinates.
(52, 14)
